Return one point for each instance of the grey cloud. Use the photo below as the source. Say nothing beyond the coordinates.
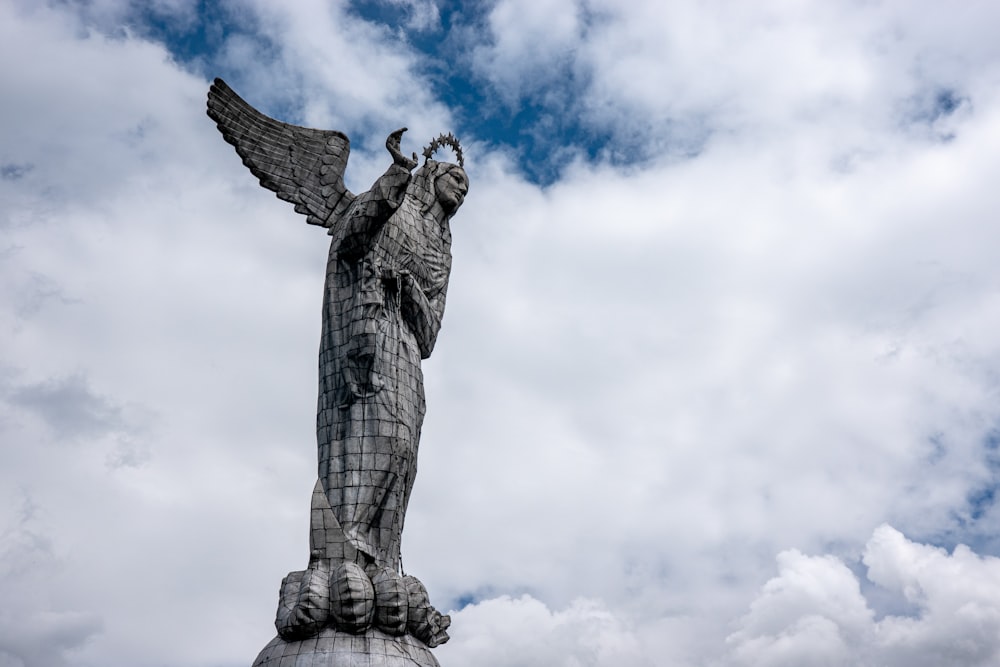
(22, 546)
(31, 637)
(37, 291)
(15, 172)
(70, 408)
(74, 412)
(43, 639)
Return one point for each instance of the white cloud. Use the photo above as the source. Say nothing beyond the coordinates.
(813, 612)
(649, 380)
(347, 74)
(530, 46)
(522, 632)
(958, 597)
(422, 15)
(663, 78)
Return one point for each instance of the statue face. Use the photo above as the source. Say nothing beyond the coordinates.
(451, 188)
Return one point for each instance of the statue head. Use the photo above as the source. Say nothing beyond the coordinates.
(441, 183)
(450, 187)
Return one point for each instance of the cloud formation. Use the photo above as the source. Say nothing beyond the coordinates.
(813, 612)
(764, 327)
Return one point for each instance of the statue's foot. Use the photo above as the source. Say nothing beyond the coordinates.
(342, 595)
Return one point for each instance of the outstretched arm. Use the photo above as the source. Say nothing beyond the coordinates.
(371, 209)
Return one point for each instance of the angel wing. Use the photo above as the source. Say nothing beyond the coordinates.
(301, 165)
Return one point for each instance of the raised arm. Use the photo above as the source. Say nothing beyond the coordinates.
(371, 210)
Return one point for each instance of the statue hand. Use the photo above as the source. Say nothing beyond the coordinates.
(392, 145)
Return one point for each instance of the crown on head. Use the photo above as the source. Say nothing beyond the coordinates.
(445, 140)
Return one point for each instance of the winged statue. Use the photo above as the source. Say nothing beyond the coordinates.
(386, 280)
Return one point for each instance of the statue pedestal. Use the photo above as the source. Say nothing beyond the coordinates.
(335, 614)
(335, 648)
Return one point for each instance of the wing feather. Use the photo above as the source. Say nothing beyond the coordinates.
(302, 166)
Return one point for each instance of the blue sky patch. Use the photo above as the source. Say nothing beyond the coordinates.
(542, 129)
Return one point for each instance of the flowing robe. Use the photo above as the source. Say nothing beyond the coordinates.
(387, 275)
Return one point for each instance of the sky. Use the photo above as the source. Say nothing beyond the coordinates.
(718, 383)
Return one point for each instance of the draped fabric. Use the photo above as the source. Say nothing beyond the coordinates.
(387, 276)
